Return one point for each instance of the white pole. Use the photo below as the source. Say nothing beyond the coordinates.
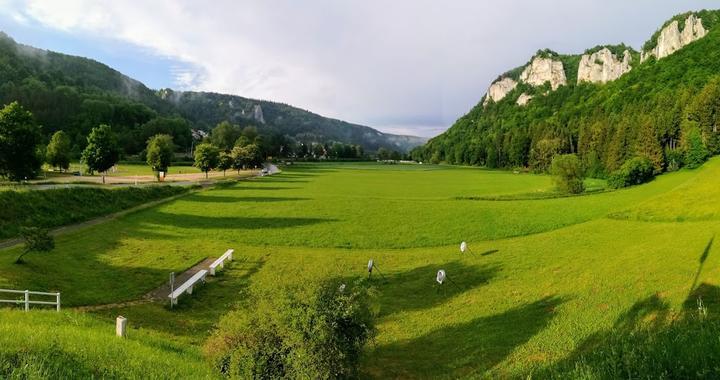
(27, 300)
(58, 302)
(120, 326)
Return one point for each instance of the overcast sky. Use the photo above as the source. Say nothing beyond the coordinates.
(403, 66)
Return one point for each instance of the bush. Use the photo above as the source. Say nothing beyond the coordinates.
(320, 336)
(567, 173)
(633, 172)
(696, 153)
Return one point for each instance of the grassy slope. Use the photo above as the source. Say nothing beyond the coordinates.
(71, 345)
(58, 207)
(525, 302)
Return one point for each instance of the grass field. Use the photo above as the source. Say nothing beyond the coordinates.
(548, 276)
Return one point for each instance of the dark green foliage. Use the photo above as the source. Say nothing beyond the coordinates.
(696, 153)
(160, 150)
(568, 173)
(633, 172)
(20, 140)
(58, 152)
(310, 336)
(225, 135)
(58, 207)
(36, 240)
(639, 114)
(102, 151)
(206, 157)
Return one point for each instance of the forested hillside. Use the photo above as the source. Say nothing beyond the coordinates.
(661, 108)
(75, 94)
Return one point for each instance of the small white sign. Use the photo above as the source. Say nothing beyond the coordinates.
(440, 278)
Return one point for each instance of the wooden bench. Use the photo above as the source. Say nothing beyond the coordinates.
(187, 286)
(228, 255)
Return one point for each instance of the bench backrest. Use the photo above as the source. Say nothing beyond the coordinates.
(190, 282)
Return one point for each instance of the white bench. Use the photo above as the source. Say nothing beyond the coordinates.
(187, 286)
(228, 255)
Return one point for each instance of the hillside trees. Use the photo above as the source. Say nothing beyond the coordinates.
(102, 151)
(696, 153)
(58, 151)
(20, 139)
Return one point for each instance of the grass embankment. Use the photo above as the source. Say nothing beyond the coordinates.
(547, 280)
(57, 207)
(68, 345)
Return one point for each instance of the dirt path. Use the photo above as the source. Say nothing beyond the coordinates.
(159, 294)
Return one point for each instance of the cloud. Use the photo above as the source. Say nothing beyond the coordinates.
(382, 63)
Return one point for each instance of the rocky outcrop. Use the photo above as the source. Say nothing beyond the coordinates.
(671, 39)
(258, 114)
(603, 66)
(542, 70)
(499, 89)
(523, 99)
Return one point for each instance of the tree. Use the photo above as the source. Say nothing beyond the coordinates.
(320, 335)
(102, 151)
(206, 157)
(648, 146)
(36, 240)
(160, 151)
(246, 156)
(568, 173)
(542, 153)
(57, 154)
(225, 162)
(634, 171)
(696, 153)
(224, 135)
(383, 154)
(20, 140)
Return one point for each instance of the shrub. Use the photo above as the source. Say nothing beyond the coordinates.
(320, 336)
(696, 153)
(568, 173)
(633, 172)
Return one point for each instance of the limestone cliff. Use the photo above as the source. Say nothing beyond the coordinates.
(499, 89)
(523, 99)
(671, 39)
(542, 70)
(603, 66)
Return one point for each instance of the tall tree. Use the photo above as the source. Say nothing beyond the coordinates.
(206, 157)
(225, 135)
(648, 146)
(58, 153)
(20, 140)
(102, 151)
(160, 150)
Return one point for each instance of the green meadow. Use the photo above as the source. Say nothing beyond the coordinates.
(547, 279)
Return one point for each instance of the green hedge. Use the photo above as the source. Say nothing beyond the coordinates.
(58, 207)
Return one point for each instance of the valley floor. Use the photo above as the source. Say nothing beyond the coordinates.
(547, 277)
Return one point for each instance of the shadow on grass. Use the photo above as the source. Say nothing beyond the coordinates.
(649, 340)
(228, 222)
(490, 252)
(417, 289)
(466, 349)
(251, 188)
(195, 315)
(226, 199)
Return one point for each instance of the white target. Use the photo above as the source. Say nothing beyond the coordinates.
(440, 278)
(371, 264)
(463, 247)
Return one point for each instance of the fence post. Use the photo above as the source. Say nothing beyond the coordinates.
(27, 300)
(58, 301)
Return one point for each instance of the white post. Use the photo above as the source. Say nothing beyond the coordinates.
(121, 326)
(27, 300)
(58, 301)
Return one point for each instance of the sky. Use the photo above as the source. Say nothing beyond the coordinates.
(401, 66)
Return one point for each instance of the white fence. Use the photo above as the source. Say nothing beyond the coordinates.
(27, 301)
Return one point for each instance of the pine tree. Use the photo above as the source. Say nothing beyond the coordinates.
(648, 146)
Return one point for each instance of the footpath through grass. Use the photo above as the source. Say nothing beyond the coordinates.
(547, 280)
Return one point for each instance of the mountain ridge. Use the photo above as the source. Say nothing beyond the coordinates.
(76, 93)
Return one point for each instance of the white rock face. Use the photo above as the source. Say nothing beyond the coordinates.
(258, 114)
(671, 39)
(602, 66)
(523, 99)
(543, 70)
(499, 90)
